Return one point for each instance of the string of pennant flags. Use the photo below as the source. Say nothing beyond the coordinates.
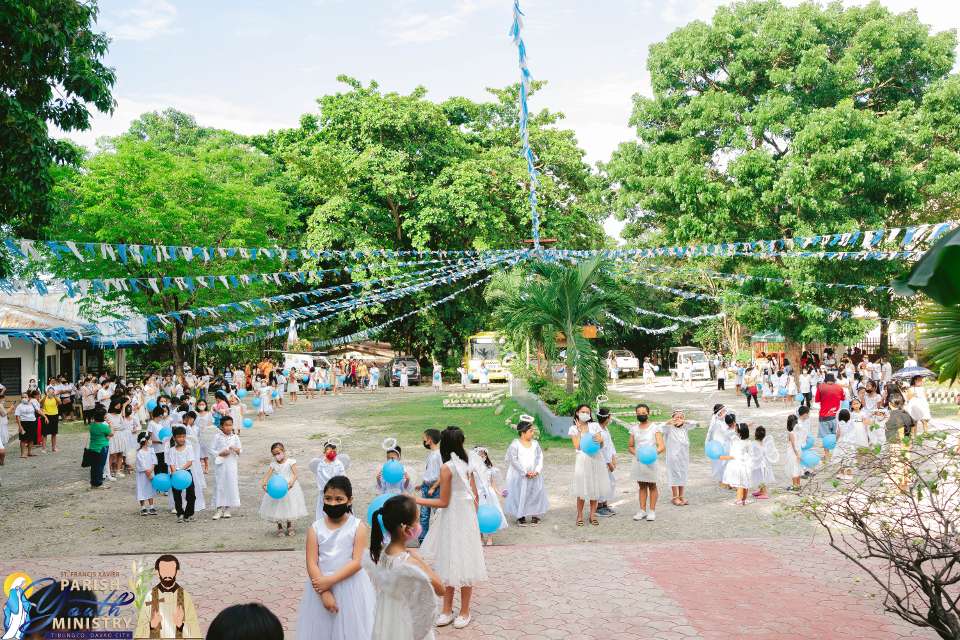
(525, 77)
(742, 277)
(636, 327)
(103, 286)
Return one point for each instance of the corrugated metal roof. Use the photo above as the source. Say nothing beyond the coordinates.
(13, 316)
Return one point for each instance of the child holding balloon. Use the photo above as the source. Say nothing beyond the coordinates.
(794, 444)
(338, 599)
(196, 470)
(486, 480)
(145, 466)
(738, 473)
(154, 427)
(180, 458)
(283, 498)
(226, 450)
(644, 438)
(265, 396)
(398, 480)
(591, 479)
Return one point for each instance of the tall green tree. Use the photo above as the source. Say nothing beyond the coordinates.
(172, 182)
(775, 121)
(377, 169)
(51, 73)
(554, 300)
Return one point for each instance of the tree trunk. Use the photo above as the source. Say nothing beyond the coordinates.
(569, 367)
(884, 348)
(176, 350)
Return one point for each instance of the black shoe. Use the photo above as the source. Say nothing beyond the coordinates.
(521, 522)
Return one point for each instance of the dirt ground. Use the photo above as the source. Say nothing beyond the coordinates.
(47, 508)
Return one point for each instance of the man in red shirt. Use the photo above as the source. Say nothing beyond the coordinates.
(829, 397)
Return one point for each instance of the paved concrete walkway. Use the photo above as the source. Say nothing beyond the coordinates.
(757, 589)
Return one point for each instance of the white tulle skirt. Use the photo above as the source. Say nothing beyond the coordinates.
(591, 480)
(290, 507)
(453, 547)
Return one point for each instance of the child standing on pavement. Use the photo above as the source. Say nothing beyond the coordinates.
(430, 484)
(226, 450)
(485, 477)
(609, 452)
(677, 440)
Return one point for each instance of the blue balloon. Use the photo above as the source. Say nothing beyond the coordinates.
(809, 459)
(276, 487)
(165, 433)
(181, 479)
(588, 445)
(759, 386)
(829, 441)
(161, 482)
(375, 504)
(257, 402)
(489, 518)
(306, 379)
(845, 405)
(276, 394)
(286, 372)
(714, 449)
(647, 454)
(247, 423)
(392, 472)
(799, 398)
(151, 405)
(241, 393)
(809, 443)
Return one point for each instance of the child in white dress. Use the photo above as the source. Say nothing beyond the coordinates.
(645, 434)
(677, 440)
(738, 473)
(526, 497)
(265, 393)
(145, 465)
(205, 432)
(338, 599)
(331, 465)
(719, 431)
(852, 435)
(406, 586)
(196, 470)
(591, 480)
(486, 477)
(795, 440)
(291, 506)
(609, 452)
(764, 455)
(452, 546)
(226, 450)
(393, 487)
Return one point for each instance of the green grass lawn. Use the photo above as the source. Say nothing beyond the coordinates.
(407, 418)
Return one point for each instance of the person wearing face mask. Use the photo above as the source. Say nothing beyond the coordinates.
(291, 506)
(27, 416)
(331, 465)
(430, 483)
(338, 599)
(591, 479)
(642, 434)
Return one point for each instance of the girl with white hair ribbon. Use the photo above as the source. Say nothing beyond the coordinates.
(526, 497)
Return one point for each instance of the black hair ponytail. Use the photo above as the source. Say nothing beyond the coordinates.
(397, 511)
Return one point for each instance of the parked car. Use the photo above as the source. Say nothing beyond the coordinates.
(690, 357)
(624, 360)
(399, 364)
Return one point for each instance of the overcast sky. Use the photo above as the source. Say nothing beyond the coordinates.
(250, 66)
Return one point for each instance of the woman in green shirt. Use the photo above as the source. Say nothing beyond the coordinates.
(100, 434)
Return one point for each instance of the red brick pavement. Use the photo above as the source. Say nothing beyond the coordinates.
(756, 589)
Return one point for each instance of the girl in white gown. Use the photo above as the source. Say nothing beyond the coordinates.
(716, 432)
(764, 455)
(146, 466)
(452, 545)
(406, 587)
(331, 465)
(486, 477)
(852, 435)
(291, 506)
(738, 473)
(645, 434)
(265, 393)
(591, 480)
(196, 469)
(795, 440)
(205, 432)
(225, 450)
(338, 599)
(526, 497)
(677, 440)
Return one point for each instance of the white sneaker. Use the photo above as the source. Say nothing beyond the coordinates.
(444, 619)
(461, 622)
(226, 513)
(218, 514)
(651, 516)
(120, 474)
(639, 515)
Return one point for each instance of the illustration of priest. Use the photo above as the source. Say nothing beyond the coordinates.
(168, 611)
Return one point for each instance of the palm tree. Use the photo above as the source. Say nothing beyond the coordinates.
(548, 300)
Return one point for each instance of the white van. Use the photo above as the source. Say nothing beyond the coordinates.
(692, 357)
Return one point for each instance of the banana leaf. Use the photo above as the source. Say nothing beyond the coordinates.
(937, 274)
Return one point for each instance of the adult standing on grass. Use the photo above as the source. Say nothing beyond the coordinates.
(829, 396)
(100, 434)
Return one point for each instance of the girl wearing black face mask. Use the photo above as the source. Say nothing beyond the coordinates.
(291, 505)
(338, 599)
(644, 434)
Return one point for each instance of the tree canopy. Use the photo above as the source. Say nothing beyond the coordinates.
(51, 72)
(776, 121)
